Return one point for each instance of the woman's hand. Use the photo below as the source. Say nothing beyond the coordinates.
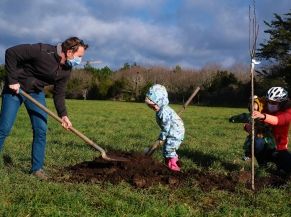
(15, 87)
(66, 122)
(258, 115)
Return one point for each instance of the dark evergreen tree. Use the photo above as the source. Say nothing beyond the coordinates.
(277, 49)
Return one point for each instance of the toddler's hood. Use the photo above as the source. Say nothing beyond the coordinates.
(158, 94)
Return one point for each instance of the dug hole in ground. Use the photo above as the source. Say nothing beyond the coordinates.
(144, 171)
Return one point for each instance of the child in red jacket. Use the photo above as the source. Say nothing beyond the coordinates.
(263, 134)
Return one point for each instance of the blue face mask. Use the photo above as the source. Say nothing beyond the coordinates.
(75, 61)
(273, 108)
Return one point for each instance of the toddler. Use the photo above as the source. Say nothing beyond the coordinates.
(264, 140)
(172, 126)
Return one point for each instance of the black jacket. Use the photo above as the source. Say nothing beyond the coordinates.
(34, 66)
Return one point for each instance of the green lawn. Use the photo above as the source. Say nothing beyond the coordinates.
(211, 144)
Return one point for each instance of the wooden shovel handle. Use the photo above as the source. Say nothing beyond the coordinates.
(57, 118)
(189, 100)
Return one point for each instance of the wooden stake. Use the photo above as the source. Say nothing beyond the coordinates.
(253, 35)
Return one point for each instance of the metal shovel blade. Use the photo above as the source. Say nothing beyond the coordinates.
(114, 158)
(152, 149)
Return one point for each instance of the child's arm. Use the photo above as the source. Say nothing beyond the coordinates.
(164, 121)
(241, 118)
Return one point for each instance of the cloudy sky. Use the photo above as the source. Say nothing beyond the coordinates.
(189, 33)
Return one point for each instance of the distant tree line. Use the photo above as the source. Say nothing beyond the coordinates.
(219, 86)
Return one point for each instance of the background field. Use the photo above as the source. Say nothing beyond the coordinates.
(211, 144)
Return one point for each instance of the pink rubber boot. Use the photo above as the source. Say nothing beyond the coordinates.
(172, 164)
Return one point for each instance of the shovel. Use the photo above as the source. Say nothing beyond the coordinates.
(72, 129)
(157, 144)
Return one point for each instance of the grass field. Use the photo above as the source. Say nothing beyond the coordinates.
(211, 144)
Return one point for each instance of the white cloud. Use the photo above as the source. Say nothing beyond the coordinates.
(197, 32)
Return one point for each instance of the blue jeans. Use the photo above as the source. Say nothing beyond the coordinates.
(10, 105)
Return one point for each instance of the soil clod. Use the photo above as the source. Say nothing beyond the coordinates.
(143, 171)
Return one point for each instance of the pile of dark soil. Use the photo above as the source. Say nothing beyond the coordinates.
(143, 171)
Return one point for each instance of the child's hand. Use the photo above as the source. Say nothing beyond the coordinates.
(248, 128)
